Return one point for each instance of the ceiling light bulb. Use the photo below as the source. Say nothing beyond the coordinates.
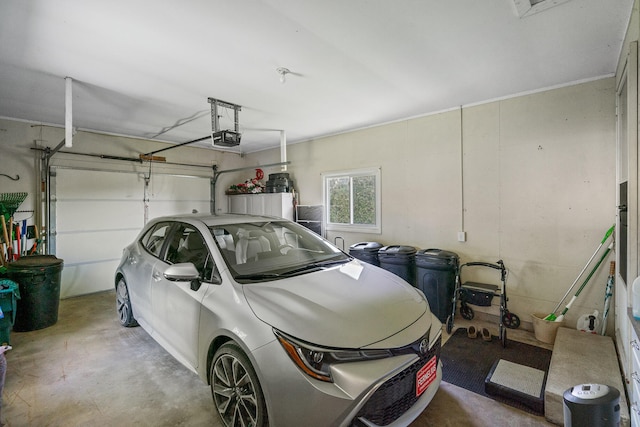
(283, 72)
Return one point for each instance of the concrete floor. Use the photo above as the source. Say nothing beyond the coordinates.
(87, 370)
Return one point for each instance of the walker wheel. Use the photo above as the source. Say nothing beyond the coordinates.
(503, 336)
(511, 320)
(466, 312)
(449, 323)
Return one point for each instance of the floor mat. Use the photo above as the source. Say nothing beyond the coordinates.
(466, 362)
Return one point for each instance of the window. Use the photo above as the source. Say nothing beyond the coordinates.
(187, 245)
(154, 239)
(352, 200)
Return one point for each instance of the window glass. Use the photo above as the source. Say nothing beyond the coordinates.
(272, 250)
(154, 239)
(188, 245)
(352, 200)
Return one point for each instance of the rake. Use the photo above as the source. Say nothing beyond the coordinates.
(9, 203)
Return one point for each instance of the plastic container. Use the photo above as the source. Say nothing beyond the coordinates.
(9, 294)
(635, 302)
(400, 260)
(279, 183)
(366, 251)
(38, 278)
(436, 278)
(545, 330)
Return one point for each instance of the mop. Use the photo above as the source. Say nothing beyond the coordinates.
(604, 255)
(552, 316)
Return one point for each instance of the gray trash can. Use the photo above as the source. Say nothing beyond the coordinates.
(366, 251)
(436, 278)
(400, 260)
(591, 405)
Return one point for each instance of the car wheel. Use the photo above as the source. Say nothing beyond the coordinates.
(123, 305)
(236, 390)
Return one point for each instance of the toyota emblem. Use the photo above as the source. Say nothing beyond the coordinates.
(424, 346)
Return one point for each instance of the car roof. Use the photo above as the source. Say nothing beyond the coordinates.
(220, 219)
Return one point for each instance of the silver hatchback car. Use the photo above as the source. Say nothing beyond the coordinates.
(287, 329)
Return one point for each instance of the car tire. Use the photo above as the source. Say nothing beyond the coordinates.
(236, 390)
(123, 304)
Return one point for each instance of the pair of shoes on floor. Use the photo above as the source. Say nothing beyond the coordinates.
(472, 332)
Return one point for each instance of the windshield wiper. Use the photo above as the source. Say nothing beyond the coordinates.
(314, 266)
(258, 276)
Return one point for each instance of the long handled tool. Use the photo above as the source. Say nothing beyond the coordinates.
(608, 293)
(552, 316)
(5, 236)
(593, 270)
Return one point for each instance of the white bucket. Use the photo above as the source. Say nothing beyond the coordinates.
(545, 330)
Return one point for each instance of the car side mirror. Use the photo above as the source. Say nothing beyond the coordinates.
(182, 272)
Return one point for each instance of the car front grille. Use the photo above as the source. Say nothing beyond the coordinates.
(397, 394)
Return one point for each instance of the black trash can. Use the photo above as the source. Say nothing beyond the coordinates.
(436, 278)
(400, 260)
(591, 405)
(366, 251)
(38, 278)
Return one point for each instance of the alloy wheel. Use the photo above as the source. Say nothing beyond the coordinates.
(234, 392)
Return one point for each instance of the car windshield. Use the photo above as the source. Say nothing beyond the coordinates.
(262, 251)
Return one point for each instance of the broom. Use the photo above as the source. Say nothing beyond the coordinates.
(593, 270)
(552, 316)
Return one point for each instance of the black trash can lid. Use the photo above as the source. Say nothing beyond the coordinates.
(31, 261)
(365, 246)
(436, 253)
(397, 250)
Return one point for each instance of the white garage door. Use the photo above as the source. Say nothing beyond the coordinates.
(97, 213)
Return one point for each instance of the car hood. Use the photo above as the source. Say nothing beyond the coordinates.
(351, 306)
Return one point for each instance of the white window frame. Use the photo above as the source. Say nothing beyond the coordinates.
(355, 228)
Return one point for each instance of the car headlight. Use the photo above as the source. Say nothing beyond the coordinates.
(316, 361)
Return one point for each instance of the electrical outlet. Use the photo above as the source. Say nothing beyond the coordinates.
(462, 236)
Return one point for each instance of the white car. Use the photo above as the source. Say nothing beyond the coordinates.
(286, 328)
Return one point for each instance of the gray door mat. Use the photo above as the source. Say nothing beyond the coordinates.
(517, 382)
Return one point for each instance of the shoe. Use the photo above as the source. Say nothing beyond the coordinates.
(472, 332)
(486, 335)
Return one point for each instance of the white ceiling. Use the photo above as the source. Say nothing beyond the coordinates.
(146, 68)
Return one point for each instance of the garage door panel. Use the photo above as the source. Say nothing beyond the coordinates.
(171, 207)
(171, 187)
(98, 213)
(111, 214)
(94, 246)
(92, 184)
(81, 279)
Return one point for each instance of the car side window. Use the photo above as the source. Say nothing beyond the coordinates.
(188, 245)
(153, 241)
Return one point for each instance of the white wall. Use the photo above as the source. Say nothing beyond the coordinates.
(539, 186)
